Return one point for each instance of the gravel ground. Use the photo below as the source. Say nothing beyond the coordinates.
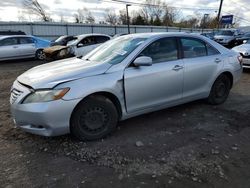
(192, 145)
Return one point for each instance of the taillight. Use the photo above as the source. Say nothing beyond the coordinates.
(239, 57)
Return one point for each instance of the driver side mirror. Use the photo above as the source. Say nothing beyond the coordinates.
(244, 41)
(143, 61)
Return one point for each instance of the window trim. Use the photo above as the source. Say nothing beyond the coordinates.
(11, 44)
(169, 37)
(19, 38)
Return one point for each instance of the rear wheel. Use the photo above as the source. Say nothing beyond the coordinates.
(94, 118)
(40, 54)
(220, 90)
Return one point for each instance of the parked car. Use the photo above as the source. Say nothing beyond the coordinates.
(22, 46)
(62, 40)
(78, 47)
(125, 77)
(240, 39)
(119, 34)
(11, 32)
(209, 35)
(244, 50)
(227, 37)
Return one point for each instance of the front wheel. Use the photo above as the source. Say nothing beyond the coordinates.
(40, 55)
(94, 118)
(220, 90)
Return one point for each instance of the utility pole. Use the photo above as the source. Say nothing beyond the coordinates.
(127, 5)
(204, 21)
(219, 12)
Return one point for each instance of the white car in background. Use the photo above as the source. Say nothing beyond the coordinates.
(244, 51)
(80, 46)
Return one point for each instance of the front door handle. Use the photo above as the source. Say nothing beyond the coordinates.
(177, 67)
(217, 60)
(15, 46)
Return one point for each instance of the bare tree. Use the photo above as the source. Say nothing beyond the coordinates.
(111, 17)
(84, 16)
(79, 16)
(123, 17)
(90, 18)
(153, 11)
(35, 8)
(170, 16)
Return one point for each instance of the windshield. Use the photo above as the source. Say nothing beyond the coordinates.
(116, 50)
(227, 33)
(60, 38)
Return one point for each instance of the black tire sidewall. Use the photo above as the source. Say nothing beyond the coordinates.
(95, 101)
(37, 52)
(213, 99)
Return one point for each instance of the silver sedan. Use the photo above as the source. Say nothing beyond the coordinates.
(124, 77)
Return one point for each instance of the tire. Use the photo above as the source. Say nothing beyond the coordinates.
(93, 118)
(220, 90)
(40, 55)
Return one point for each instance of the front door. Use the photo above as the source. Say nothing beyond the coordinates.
(159, 84)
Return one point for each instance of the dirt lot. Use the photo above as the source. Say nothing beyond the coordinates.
(193, 145)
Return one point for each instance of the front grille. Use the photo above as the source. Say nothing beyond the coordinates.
(15, 93)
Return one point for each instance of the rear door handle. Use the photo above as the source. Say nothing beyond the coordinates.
(177, 67)
(217, 60)
(15, 46)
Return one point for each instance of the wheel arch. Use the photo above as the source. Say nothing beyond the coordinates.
(229, 75)
(112, 97)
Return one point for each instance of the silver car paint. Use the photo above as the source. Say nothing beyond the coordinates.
(17, 51)
(43, 76)
(244, 49)
(127, 84)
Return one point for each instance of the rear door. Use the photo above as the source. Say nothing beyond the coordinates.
(26, 46)
(202, 63)
(159, 84)
(9, 48)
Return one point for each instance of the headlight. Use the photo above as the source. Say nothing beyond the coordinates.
(45, 95)
(63, 52)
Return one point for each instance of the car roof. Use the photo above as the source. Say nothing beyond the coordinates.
(11, 36)
(91, 34)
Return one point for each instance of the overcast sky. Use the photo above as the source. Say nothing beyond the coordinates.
(10, 10)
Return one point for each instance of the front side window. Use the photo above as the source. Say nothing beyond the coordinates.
(162, 50)
(25, 40)
(8, 42)
(193, 48)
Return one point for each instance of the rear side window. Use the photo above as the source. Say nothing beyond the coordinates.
(162, 50)
(101, 39)
(8, 42)
(26, 40)
(193, 48)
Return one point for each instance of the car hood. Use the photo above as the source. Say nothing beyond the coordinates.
(51, 74)
(52, 49)
(223, 37)
(244, 49)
